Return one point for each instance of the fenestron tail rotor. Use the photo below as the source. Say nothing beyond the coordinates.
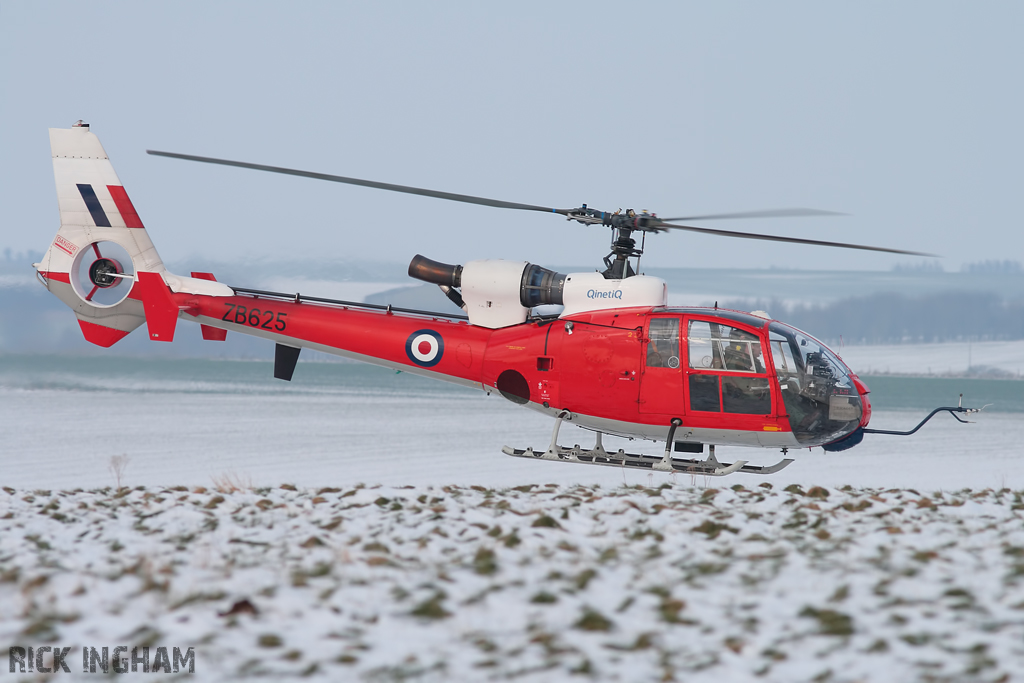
(622, 223)
(103, 274)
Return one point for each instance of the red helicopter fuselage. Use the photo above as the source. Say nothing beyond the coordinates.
(616, 359)
(729, 377)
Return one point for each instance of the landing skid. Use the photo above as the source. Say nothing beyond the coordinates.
(599, 456)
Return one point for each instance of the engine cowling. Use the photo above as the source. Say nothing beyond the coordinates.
(495, 293)
(491, 289)
(498, 293)
(592, 292)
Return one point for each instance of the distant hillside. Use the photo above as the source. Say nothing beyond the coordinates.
(887, 318)
(699, 286)
(862, 307)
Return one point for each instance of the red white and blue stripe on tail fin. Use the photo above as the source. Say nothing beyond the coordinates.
(125, 208)
(102, 253)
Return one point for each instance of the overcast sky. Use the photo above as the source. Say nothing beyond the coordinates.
(908, 116)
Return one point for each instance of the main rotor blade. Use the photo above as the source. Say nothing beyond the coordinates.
(465, 198)
(793, 240)
(768, 213)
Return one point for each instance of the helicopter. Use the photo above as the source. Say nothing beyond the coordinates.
(601, 350)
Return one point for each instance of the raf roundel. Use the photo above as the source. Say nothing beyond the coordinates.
(424, 348)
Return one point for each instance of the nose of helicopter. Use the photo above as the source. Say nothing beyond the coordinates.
(863, 390)
(855, 434)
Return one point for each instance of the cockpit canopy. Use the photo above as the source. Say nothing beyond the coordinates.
(822, 402)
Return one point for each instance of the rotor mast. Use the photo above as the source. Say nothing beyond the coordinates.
(623, 224)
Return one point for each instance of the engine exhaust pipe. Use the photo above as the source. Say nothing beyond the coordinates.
(435, 272)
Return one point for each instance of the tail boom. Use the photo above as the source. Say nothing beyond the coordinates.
(431, 346)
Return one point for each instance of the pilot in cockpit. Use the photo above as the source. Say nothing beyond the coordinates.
(743, 352)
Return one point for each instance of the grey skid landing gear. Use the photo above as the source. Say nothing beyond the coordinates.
(665, 463)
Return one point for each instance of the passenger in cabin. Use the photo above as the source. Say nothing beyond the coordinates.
(655, 358)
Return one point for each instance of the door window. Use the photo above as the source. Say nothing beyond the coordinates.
(663, 348)
(746, 395)
(713, 346)
(715, 349)
(704, 393)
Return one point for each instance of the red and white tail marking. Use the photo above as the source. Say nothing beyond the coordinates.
(125, 207)
(112, 288)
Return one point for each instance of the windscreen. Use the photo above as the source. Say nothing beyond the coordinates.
(820, 398)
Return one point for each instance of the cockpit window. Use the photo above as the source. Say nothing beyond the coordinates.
(713, 346)
(782, 352)
(820, 398)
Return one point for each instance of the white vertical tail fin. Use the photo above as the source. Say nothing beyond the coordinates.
(94, 263)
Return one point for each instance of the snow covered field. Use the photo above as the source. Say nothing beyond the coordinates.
(451, 561)
(533, 583)
(183, 422)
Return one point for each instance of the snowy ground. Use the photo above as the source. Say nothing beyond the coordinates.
(187, 421)
(63, 439)
(437, 569)
(534, 583)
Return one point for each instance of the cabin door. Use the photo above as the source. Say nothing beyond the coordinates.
(661, 383)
